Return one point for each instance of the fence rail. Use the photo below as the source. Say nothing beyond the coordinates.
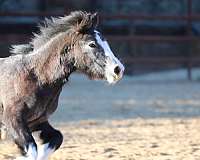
(193, 17)
(150, 39)
(189, 18)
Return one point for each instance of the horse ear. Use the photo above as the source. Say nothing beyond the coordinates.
(88, 22)
(95, 20)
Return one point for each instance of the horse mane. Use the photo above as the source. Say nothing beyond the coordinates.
(21, 49)
(77, 21)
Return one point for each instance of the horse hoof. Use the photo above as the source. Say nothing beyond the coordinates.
(3, 134)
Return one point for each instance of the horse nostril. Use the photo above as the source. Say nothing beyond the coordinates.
(117, 70)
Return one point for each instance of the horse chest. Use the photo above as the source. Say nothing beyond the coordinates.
(45, 104)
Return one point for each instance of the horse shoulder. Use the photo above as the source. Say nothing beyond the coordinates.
(16, 83)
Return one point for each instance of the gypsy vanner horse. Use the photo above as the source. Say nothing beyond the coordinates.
(32, 78)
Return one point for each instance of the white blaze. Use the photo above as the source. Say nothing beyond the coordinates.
(112, 62)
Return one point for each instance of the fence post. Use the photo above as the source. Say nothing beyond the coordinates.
(189, 32)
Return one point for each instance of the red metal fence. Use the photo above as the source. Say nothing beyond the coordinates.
(189, 19)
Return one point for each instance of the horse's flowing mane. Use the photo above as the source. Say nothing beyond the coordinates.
(75, 21)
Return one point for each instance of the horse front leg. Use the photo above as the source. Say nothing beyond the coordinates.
(17, 127)
(51, 140)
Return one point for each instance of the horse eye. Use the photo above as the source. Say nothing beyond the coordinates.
(92, 45)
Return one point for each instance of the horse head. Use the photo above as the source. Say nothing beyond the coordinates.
(90, 51)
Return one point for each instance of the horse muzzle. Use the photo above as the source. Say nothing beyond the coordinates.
(114, 71)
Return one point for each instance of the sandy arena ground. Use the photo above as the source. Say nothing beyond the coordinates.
(137, 119)
(139, 139)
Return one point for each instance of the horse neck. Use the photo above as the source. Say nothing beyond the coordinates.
(45, 61)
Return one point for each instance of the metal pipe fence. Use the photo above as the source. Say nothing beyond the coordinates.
(189, 37)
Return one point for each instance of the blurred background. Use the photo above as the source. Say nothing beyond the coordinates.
(157, 40)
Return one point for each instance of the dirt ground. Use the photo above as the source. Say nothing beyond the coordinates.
(137, 119)
(138, 139)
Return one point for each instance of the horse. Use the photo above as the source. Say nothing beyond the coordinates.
(32, 78)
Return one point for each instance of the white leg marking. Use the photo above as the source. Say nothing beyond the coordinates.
(31, 153)
(44, 152)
